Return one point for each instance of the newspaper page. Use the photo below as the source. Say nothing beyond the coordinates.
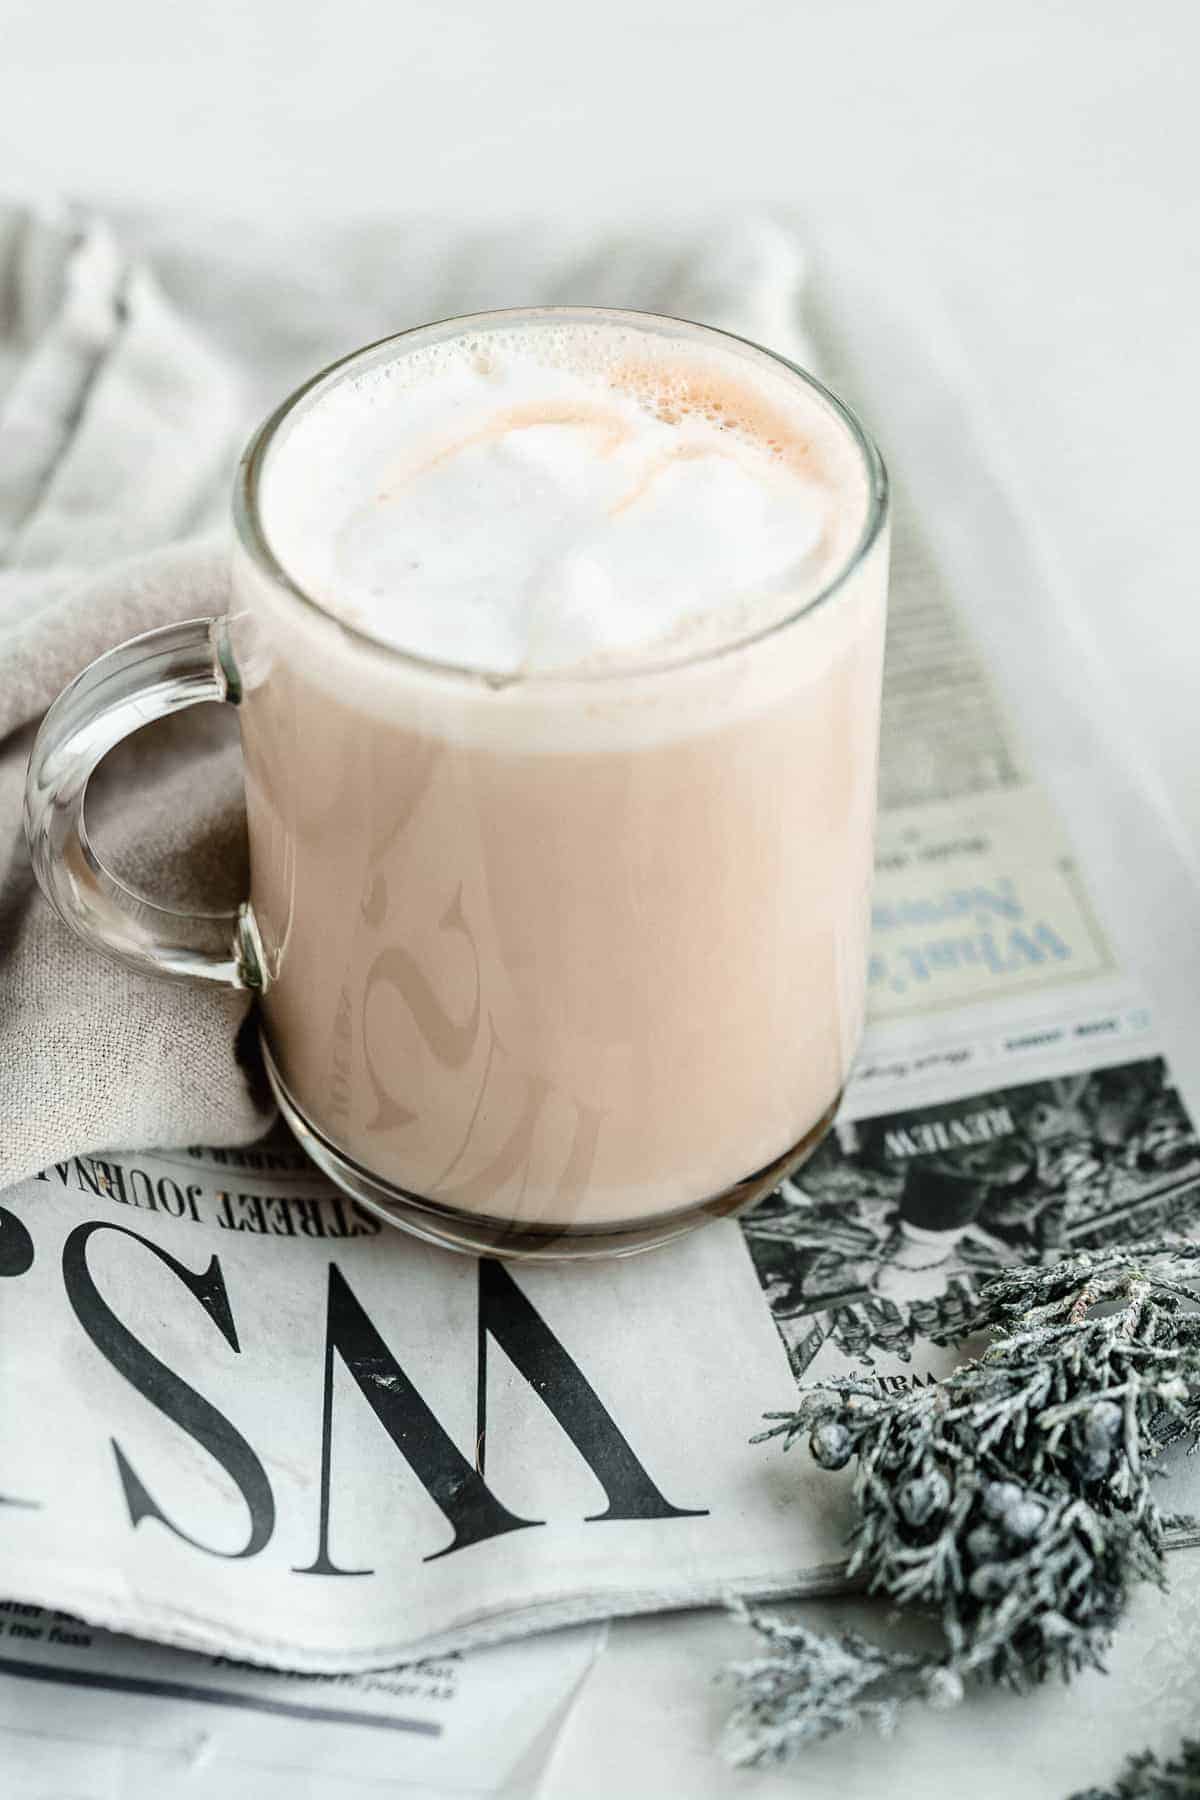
(88, 1714)
(1012, 1098)
(241, 1417)
(1030, 1078)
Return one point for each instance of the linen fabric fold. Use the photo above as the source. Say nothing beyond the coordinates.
(134, 359)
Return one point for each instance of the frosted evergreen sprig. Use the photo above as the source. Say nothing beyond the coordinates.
(1144, 1777)
(1013, 1500)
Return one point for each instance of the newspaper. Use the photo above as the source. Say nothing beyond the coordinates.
(138, 1717)
(242, 1418)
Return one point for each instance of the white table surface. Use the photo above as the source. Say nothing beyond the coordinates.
(1041, 155)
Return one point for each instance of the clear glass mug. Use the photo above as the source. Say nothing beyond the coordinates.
(561, 966)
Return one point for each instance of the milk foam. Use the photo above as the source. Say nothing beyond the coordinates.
(543, 500)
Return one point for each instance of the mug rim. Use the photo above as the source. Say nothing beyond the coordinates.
(253, 538)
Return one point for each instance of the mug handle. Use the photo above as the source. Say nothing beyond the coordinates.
(158, 673)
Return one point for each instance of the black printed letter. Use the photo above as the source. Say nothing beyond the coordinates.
(166, 1390)
(569, 1397)
(449, 1479)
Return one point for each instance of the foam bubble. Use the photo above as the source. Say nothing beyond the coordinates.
(550, 497)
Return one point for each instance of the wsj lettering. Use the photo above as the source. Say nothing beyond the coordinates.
(426, 1453)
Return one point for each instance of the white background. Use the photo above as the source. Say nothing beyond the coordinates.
(1039, 156)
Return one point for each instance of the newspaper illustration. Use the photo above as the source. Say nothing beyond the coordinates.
(876, 1247)
(242, 1417)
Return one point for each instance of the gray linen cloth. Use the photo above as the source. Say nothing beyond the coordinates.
(135, 357)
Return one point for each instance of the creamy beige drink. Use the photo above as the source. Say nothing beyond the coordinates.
(560, 659)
